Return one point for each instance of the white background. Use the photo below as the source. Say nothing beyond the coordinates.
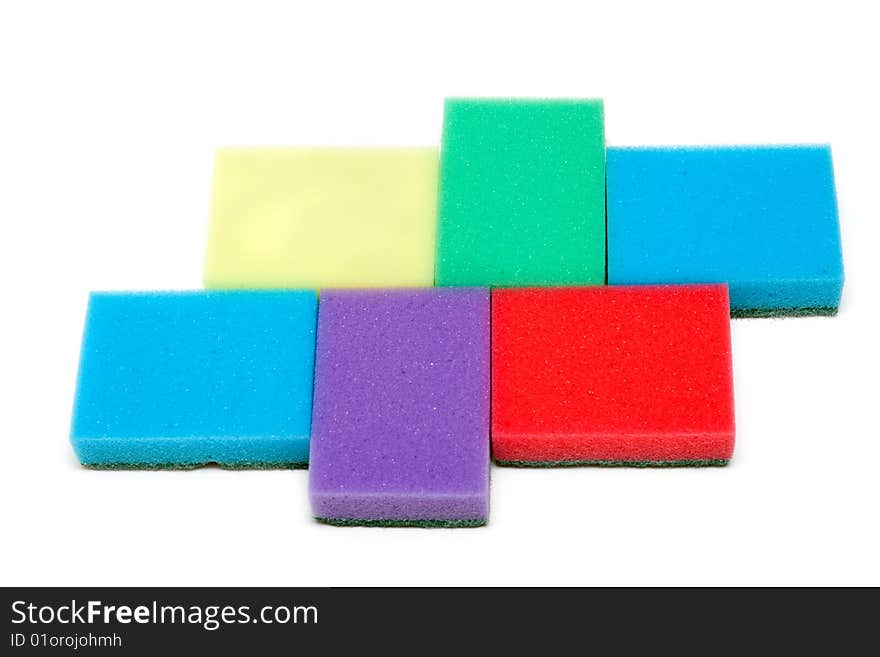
(108, 121)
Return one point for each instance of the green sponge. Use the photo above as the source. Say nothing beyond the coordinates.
(522, 193)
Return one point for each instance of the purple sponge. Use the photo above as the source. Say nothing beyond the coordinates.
(400, 421)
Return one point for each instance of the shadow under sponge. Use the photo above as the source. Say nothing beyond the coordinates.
(636, 376)
(762, 219)
(183, 379)
(400, 424)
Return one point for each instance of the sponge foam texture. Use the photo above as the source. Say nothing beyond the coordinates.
(612, 375)
(762, 219)
(401, 413)
(522, 197)
(181, 379)
(322, 217)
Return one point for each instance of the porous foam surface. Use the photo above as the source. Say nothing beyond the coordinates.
(322, 217)
(400, 425)
(181, 379)
(761, 219)
(522, 195)
(612, 376)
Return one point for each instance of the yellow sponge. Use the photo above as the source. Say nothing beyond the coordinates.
(322, 217)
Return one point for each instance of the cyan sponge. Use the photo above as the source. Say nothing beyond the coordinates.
(181, 379)
(761, 219)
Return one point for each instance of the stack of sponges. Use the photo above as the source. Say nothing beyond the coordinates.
(386, 392)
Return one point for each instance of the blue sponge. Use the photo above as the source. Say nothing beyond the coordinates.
(181, 379)
(761, 219)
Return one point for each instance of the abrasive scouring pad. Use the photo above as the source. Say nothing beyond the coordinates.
(522, 193)
(322, 217)
(762, 219)
(612, 376)
(182, 379)
(400, 424)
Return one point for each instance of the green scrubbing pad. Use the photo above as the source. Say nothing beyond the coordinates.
(424, 524)
(522, 194)
(806, 311)
(697, 463)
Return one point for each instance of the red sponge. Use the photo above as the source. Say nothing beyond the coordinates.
(612, 376)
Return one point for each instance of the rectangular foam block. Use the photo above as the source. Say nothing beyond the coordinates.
(522, 195)
(322, 217)
(182, 379)
(612, 376)
(761, 219)
(400, 425)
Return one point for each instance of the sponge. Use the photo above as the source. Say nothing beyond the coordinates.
(400, 425)
(612, 376)
(762, 219)
(181, 379)
(522, 196)
(313, 218)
